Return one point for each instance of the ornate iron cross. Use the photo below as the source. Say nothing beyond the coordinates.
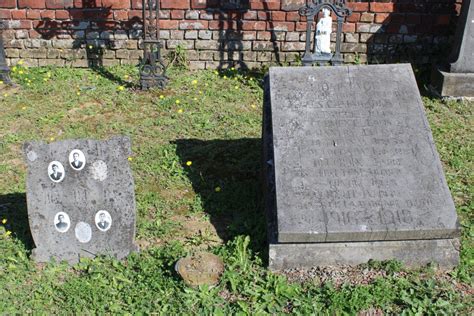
(310, 11)
(4, 70)
(152, 68)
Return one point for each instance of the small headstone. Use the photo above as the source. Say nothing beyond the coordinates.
(457, 79)
(350, 159)
(81, 199)
(202, 268)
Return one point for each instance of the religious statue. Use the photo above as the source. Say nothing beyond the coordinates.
(323, 35)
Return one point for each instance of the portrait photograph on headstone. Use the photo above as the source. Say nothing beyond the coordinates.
(236, 157)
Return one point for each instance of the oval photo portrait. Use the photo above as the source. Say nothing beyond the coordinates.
(56, 171)
(62, 222)
(103, 220)
(77, 159)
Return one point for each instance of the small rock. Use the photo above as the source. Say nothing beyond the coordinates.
(200, 269)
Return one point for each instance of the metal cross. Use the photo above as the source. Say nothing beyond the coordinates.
(152, 68)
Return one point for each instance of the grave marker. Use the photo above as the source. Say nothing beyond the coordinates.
(351, 161)
(81, 199)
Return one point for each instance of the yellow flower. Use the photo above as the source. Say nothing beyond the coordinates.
(253, 106)
(189, 163)
(130, 158)
(121, 88)
(195, 99)
(125, 77)
(177, 101)
(200, 92)
(20, 62)
(206, 84)
(251, 79)
(78, 93)
(216, 72)
(162, 96)
(14, 68)
(194, 82)
(232, 68)
(91, 47)
(21, 72)
(180, 111)
(45, 79)
(217, 189)
(8, 233)
(236, 87)
(5, 95)
(28, 84)
(52, 139)
(225, 77)
(1, 82)
(23, 108)
(48, 74)
(4, 221)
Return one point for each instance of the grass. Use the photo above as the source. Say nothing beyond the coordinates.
(196, 165)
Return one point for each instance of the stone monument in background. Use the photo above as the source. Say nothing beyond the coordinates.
(81, 199)
(352, 172)
(457, 79)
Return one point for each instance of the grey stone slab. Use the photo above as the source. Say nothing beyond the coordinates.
(452, 84)
(463, 52)
(81, 199)
(350, 157)
(413, 253)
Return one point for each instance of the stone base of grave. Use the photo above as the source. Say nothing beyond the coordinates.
(444, 252)
(449, 84)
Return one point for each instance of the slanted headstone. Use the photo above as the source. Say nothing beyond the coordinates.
(352, 170)
(81, 199)
(457, 80)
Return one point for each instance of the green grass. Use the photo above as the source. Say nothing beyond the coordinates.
(212, 120)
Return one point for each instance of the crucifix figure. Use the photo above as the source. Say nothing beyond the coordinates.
(323, 34)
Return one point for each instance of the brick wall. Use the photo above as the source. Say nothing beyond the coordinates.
(74, 32)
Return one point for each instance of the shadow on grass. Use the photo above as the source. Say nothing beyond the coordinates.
(13, 208)
(234, 167)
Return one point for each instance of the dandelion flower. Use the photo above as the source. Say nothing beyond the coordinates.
(217, 189)
(180, 111)
(78, 93)
(5, 95)
(23, 108)
(200, 92)
(21, 72)
(14, 68)
(51, 139)
(130, 158)
(125, 77)
(253, 106)
(194, 82)
(121, 88)
(236, 87)
(216, 72)
(8, 233)
(195, 99)
(232, 68)
(225, 77)
(45, 79)
(189, 163)
(21, 62)
(4, 221)
(177, 101)
(91, 47)
(162, 96)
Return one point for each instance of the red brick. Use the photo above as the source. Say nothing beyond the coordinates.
(283, 26)
(349, 27)
(19, 14)
(121, 15)
(264, 15)
(63, 15)
(34, 34)
(59, 4)
(169, 24)
(256, 26)
(381, 7)
(33, 14)
(193, 25)
(33, 4)
(293, 16)
(25, 24)
(358, 7)
(8, 3)
(265, 4)
(354, 17)
(116, 4)
(382, 17)
(177, 14)
(134, 14)
(278, 16)
(175, 4)
(300, 26)
(198, 4)
(250, 15)
(443, 19)
(5, 14)
(136, 4)
(48, 14)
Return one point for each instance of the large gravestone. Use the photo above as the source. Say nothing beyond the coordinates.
(352, 171)
(457, 79)
(81, 199)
